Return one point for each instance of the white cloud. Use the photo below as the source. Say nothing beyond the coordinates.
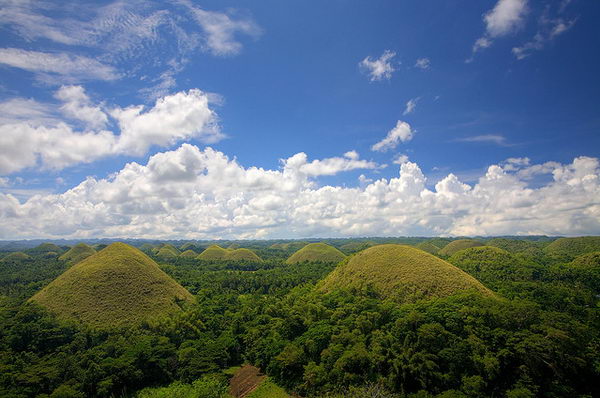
(401, 158)
(193, 193)
(506, 17)
(411, 105)
(220, 29)
(423, 63)
(548, 29)
(402, 132)
(78, 105)
(55, 144)
(486, 138)
(328, 166)
(74, 67)
(378, 69)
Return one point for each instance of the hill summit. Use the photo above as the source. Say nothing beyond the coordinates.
(216, 252)
(77, 253)
(317, 252)
(401, 272)
(118, 286)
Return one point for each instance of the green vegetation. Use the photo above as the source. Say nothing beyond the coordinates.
(317, 252)
(77, 253)
(16, 257)
(538, 335)
(428, 247)
(457, 245)
(214, 252)
(45, 248)
(524, 247)
(118, 286)
(189, 254)
(167, 253)
(353, 247)
(566, 249)
(242, 254)
(400, 272)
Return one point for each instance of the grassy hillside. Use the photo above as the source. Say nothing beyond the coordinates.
(45, 248)
(166, 253)
(16, 257)
(214, 252)
(242, 254)
(491, 265)
(118, 286)
(77, 253)
(400, 272)
(189, 254)
(457, 245)
(317, 252)
(566, 249)
(517, 246)
(428, 247)
(354, 247)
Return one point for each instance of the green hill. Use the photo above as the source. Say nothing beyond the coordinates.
(457, 245)
(354, 247)
(296, 245)
(77, 253)
(566, 249)
(428, 247)
(213, 252)
(492, 265)
(400, 272)
(317, 252)
(45, 248)
(189, 246)
(242, 254)
(16, 257)
(118, 286)
(166, 253)
(516, 246)
(189, 254)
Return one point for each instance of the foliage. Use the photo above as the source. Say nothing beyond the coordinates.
(457, 245)
(566, 249)
(77, 253)
(205, 387)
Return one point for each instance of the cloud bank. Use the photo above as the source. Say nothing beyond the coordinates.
(193, 193)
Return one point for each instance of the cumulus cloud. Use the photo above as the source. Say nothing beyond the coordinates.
(402, 132)
(328, 166)
(506, 17)
(29, 137)
(380, 68)
(74, 67)
(203, 194)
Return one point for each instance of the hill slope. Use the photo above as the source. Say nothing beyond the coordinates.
(216, 252)
(242, 254)
(428, 247)
(401, 272)
(213, 252)
(316, 252)
(77, 253)
(118, 286)
(457, 245)
(568, 248)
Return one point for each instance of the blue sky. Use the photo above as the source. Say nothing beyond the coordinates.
(414, 113)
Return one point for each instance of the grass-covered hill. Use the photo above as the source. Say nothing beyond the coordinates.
(491, 264)
(517, 246)
(167, 253)
(45, 248)
(457, 245)
(428, 247)
(189, 254)
(400, 272)
(317, 252)
(118, 286)
(216, 252)
(566, 249)
(354, 247)
(16, 257)
(77, 253)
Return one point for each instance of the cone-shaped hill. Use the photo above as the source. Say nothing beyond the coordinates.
(118, 286)
(492, 264)
(568, 248)
(77, 253)
(16, 257)
(189, 254)
(457, 245)
(216, 252)
(45, 248)
(317, 252)
(166, 253)
(401, 272)
(428, 247)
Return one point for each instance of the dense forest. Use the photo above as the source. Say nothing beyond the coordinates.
(536, 334)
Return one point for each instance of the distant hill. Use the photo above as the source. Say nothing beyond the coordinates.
(517, 246)
(16, 257)
(216, 252)
(428, 247)
(566, 249)
(400, 272)
(77, 253)
(316, 252)
(189, 254)
(167, 253)
(45, 248)
(354, 247)
(457, 245)
(118, 286)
